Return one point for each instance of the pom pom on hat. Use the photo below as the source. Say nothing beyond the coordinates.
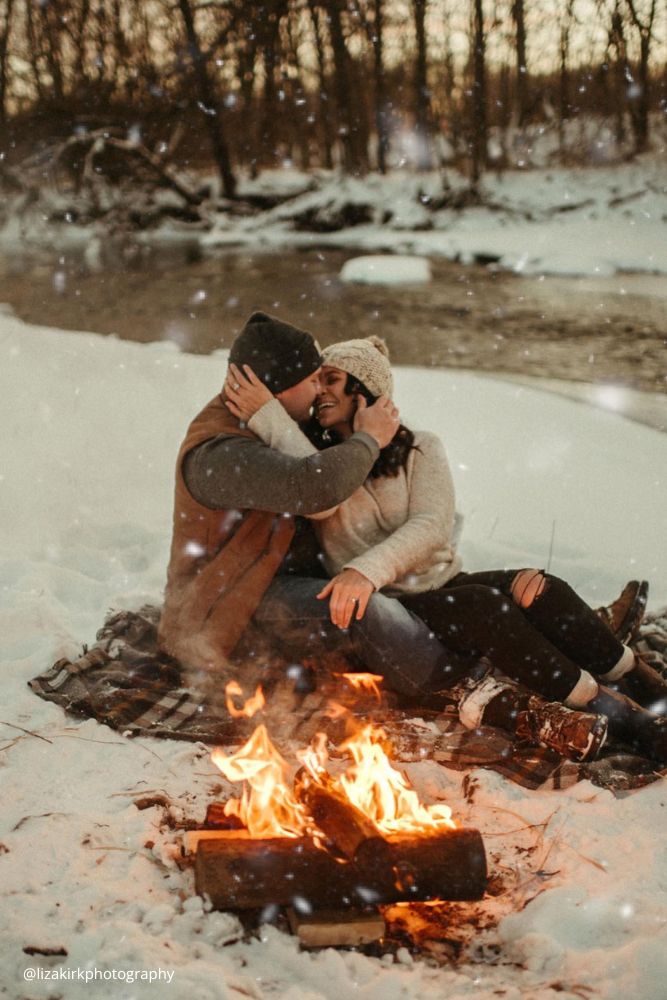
(365, 359)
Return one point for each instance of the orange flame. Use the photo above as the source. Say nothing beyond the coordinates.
(315, 757)
(334, 710)
(267, 807)
(373, 785)
(250, 705)
(368, 683)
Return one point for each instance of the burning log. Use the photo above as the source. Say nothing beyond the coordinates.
(250, 873)
(346, 826)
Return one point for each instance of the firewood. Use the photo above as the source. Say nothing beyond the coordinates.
(192, 837)
(345, 825)
(446, 865)
(336, 928)
(249, 873)
(217, 818)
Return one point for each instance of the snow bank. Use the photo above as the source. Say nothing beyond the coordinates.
(92, 427)
(549, 221)
(387, 269)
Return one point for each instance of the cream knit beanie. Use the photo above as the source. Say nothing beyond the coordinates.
(366, 360)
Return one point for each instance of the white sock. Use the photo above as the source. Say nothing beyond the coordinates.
(583, 691)
(620, 669)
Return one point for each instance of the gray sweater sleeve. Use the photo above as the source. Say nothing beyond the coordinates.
(230, 472)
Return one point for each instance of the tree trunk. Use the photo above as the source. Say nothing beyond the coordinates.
(641, 99)
(33, 46)
(51, 30)
(640, 117)
(208, 103)
(5, 30)
(479, 125)
(324, 101)
(269, 111)
(381, 123)
(621, 71)
(348, 106)
(563, 85)
(518, 16)
(422, 93)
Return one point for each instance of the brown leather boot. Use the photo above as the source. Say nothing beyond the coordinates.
(626, 613)
(629, 723)
(489, 702)
(645, 686)
(575, 735)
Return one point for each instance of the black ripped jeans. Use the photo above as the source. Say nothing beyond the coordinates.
(543, 646)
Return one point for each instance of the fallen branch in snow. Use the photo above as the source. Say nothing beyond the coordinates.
(47, 952)
(94, 144)
(24, 819)
(28, 732)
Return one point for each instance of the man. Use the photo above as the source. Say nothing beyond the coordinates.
(234, 556)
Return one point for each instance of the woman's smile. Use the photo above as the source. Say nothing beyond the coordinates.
(333, 406)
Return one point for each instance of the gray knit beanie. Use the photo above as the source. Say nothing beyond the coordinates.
(366, 360)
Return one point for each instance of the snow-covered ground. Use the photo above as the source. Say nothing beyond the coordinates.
(91, 427)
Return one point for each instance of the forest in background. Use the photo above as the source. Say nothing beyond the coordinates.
(247, 85)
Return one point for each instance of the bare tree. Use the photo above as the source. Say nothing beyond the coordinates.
(372, 17)
(207, 102)
(349, 108)
(564, 71)
(522, 106)
(479, 123)
(422, 92)
(640, 96)
(5, 31)
(324, 97)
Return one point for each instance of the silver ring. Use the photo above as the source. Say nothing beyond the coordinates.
(236, 386)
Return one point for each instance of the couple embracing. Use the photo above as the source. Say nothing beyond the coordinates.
(306, 510)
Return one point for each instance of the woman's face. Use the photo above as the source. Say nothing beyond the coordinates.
(333, 407)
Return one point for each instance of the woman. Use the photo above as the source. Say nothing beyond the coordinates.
(395, 533)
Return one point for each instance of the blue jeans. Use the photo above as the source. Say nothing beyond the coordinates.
(389, 640)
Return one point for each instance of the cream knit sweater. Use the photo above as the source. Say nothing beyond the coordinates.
(396, 531)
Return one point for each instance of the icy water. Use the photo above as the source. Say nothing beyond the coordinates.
(610, 331)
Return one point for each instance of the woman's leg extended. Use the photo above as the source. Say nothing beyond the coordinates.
(562, 617)
(475, 617)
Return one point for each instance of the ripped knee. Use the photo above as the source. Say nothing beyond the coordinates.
(527, 586)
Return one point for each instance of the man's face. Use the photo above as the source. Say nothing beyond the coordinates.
(299, 398)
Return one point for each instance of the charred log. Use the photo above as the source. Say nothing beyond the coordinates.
(246, 873)
(346, 826)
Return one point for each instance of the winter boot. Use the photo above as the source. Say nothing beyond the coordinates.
(626, 613)
(645, 686)
(575, 735)
(629, 723)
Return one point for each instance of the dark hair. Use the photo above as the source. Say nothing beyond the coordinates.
(392, 458)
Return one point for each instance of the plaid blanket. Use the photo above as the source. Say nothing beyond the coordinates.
(124, 682)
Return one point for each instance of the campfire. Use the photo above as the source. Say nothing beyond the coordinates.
(304, 838)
